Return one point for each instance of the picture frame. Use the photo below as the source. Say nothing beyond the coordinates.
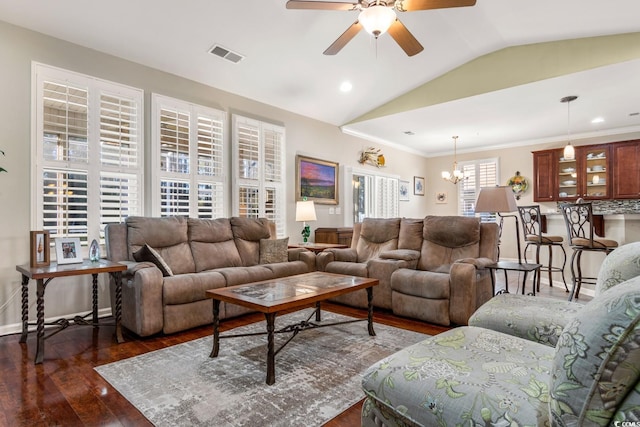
(441, 197)
(403, 191)
(418, 185)
(40, 247)
(317, 180)
(68, 250)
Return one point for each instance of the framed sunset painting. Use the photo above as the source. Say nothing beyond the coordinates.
(316, 180)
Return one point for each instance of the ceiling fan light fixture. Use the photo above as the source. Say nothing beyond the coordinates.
(377, 19)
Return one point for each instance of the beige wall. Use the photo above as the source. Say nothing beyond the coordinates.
(19, 47)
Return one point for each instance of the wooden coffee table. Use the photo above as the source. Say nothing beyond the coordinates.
(288, 293)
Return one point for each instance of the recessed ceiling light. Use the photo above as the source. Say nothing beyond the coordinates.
(346, 86)
(597, 120)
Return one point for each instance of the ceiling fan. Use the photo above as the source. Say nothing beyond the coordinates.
(378, 17)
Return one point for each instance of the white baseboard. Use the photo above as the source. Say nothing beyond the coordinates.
(16, 328)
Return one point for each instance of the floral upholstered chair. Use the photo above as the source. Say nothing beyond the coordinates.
(543, 319)
(474, 376)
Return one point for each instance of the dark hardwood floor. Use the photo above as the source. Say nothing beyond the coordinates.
(65, 390)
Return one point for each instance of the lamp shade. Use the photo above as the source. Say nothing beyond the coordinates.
(376, 19)
(305, 211)
(496, 199)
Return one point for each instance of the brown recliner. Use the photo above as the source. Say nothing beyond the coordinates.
(450, 281)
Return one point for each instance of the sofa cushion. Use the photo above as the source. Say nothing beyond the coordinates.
(423, 284)
(284, 269)
(377, 235)
(212, 244)
(242, 275)
(190, 287)
(349, 268)
(147, 253)
(619, 266)
(410, 236)
(597, 358)
(534, 318)
(465, 376)
(168, 236)
(247, 233)
(274, 250)
(447, 239)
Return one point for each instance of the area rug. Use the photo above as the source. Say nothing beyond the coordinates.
(318, 375)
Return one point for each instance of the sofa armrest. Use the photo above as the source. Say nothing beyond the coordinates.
(470, 287)
(478, 262)
(409, 256)
(304, 255)
(335, 254)
(142, 306)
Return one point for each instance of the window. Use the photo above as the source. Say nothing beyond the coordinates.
(188, 159)
(87, 140)
(373, 195)
(478, 174)
(258, 170)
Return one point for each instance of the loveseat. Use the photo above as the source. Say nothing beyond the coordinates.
(172, 261)
(432, 269)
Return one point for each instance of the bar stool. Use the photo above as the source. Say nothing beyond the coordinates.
(578, 217)
(532, 228)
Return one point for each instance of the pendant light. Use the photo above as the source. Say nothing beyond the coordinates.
(456, 175)
(569, 152)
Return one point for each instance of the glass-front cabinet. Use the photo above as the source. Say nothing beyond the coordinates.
(586, 176)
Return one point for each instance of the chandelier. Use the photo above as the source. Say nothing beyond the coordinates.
(456, 175)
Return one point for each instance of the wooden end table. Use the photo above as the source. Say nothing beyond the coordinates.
(317, 247)
(287, 293)
(44, 275)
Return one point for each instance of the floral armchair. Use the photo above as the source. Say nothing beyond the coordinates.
(478, 377)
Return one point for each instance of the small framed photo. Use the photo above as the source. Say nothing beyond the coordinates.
(441, 197)
(40, 249)
(418, 185)
(403, 189)
(68, 250)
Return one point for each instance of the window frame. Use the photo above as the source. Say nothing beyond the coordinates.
(476, 164)
(193, 179)
(96, 168)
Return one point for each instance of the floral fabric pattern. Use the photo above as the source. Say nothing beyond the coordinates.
(473, 376)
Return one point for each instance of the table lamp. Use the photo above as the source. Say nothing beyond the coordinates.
(305, 211)
(499, 200)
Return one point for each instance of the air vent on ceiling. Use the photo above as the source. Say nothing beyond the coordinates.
(226, 54)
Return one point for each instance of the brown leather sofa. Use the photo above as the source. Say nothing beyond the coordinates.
(431, 269)
(184, 257)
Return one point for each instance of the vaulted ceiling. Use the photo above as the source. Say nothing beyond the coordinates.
(493, 73)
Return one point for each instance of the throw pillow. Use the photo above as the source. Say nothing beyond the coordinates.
(147, 253)
(274, 250)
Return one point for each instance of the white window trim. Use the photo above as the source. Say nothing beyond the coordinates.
(157, 103)
(260, 184)
(93, 167)
(477, 163)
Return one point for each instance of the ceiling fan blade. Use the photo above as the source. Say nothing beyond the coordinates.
(344, 39)
(320, 5)
(404, 38)
(410, 5)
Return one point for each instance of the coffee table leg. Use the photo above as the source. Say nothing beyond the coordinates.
(318, 315)
(216, 328)
(271, 368)
(370, 311)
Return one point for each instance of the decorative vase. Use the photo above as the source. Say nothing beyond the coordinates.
(94, 251)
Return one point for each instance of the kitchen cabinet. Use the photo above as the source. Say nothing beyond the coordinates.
(544, 164)
(626, 171)
(587, 176)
